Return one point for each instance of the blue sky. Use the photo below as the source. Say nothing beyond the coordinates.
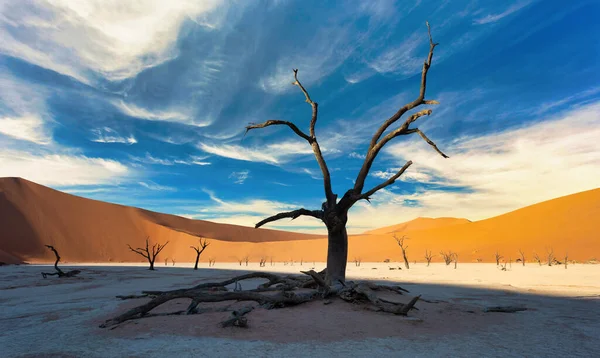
(144, 103)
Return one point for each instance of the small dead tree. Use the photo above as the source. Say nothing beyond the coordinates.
(240, 261)
(173, 262)
(271, 259)
(149, 253)
(202, 245)
(263, 261)
(522, 254)
(447, 257)
(498, 258)
(59, 272)
(537, 258)
(455, 259)
(357, 261)
(550, 256)
(566, 259)
(211, 261)
(400, 241)
(428, 257)
(246, 260)
(166, 261)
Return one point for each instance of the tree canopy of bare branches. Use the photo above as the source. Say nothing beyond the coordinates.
(202, 245)
(149, 253)
(334, 212)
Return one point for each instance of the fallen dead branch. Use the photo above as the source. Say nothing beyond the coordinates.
(279, 291)
(59, 272)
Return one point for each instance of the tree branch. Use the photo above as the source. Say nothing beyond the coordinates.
(331, 198)
(291, 214)
(388, 182)
(372, 152)
(138, 251)
(274, 122)
(430, 142)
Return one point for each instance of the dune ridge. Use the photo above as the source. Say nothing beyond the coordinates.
(87, 230)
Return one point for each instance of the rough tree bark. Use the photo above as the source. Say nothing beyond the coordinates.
(400, 241)
(59, 272)
(149, 254)
(199, 250)
(334, 212)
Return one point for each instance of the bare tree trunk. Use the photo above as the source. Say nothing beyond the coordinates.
(197, 259)
(151, 264)
(337, 255)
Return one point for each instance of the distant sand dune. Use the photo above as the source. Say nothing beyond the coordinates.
(86, 230)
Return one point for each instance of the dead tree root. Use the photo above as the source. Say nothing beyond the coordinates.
(278, 292)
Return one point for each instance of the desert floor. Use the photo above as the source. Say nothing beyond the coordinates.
(59, 317)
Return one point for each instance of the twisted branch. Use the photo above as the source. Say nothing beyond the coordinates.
(318, 214)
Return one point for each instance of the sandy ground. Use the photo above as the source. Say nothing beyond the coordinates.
(59, 317)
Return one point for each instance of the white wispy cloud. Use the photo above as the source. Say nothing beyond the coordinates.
(273, 153)
(62, 169)
(23, 110)
(156, 187)
(356, 155)
(173, 115)
(113, 38)
(30, 128)
(497, 17)
(150, 159)
(109, 135)
(240, 177)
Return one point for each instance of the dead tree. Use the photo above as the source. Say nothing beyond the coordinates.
(455, 259)
(149, 253)
(59, 272)
(357, 261)
(522, 254)
(203, 244)
(246, 260)
(263, 261)
(173, 262)
(400, 241)
(498, 258)
(428, 257)
(241, 261)
(332, 212)
(211, 261)
(550, 256)
(447, 257)
(271, 260)
(566, 259)
(166, 261)
(537, 258)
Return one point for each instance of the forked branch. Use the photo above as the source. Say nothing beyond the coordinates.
(293, 215)
(376, 144)
(312, 139)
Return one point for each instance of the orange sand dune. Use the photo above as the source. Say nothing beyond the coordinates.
(418, 224)
(86, 230)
